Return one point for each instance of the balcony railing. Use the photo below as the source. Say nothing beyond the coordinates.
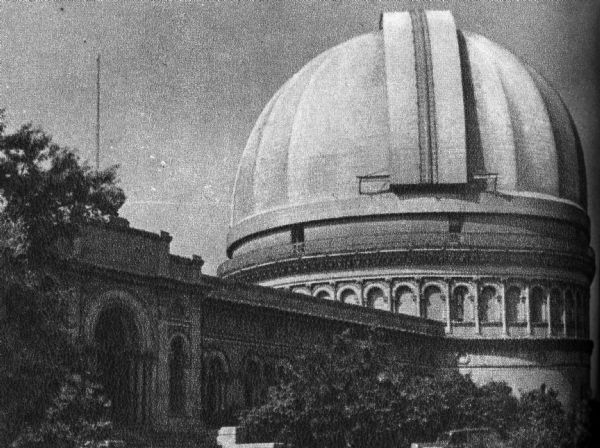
(402, 241)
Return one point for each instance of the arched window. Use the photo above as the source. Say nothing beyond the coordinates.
(489, 305)
(215, 389)
(570, 312)
(459, 304)
(324, 295)
(537, 305)
(252, 383)
(177, 376)
(376, 299)
(349, 295)
(557, 308)
(433, 303)
(405, 301)
(514, 307)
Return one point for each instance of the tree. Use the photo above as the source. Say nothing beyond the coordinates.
(354, 393)
(46, 195)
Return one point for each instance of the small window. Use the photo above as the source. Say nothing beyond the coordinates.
(376, 299)
(489, 305)
(459, 304)
(297, 234)
(348, 295)
(433, 304)
(455, 223)
(537, 304)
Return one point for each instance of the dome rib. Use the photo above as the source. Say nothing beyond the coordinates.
(572, 179)
(534, 145)
(296, 186)
(497, 140)
(243, 189)
(271, 172)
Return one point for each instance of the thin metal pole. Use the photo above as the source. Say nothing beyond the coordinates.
(98, 112)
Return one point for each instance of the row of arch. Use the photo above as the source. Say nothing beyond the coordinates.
(255, 378)
(562, 308)
(120, 342)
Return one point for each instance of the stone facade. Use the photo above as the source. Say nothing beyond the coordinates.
(176, 347)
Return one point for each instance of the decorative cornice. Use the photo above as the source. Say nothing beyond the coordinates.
(428, 257)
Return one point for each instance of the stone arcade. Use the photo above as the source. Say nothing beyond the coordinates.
(418, 178)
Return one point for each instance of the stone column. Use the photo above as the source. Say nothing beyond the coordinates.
(503, 307)
(131, 404)
(527, 309)
(586, 315)
(146, 396)
(564, 312)
(390, 283)
(549, 311)
(139, 389)
(419, 283)
(577, 299)
(476, 292)
(361, 291)
(448, 320)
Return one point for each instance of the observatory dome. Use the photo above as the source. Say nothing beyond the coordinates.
(425, 171)
(404, 130)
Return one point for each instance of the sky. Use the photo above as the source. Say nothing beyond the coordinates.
(182, 83)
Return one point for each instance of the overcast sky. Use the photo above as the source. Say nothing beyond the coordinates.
(183, 83)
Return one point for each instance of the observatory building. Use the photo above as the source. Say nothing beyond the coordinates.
(425, 170)
(419, 179)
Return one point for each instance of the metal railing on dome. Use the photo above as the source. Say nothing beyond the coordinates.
(402, 241)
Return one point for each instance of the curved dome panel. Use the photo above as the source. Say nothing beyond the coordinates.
(347, 113)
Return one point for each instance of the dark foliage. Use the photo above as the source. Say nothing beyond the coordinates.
(46, 195)
(354, 394)
(79, 414)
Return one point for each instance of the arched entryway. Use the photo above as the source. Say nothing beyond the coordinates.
(123, 363)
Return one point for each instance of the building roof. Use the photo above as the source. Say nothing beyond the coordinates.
(417, 102)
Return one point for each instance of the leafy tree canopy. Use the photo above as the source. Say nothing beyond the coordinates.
(354, 393)
(46, 195)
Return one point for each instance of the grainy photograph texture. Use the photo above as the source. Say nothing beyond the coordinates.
(299, 223)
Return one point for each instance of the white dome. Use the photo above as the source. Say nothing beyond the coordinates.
(365, 107)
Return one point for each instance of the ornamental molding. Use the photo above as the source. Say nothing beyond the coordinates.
(369, 260)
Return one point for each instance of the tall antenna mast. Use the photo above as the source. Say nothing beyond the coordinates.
(98, 112)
